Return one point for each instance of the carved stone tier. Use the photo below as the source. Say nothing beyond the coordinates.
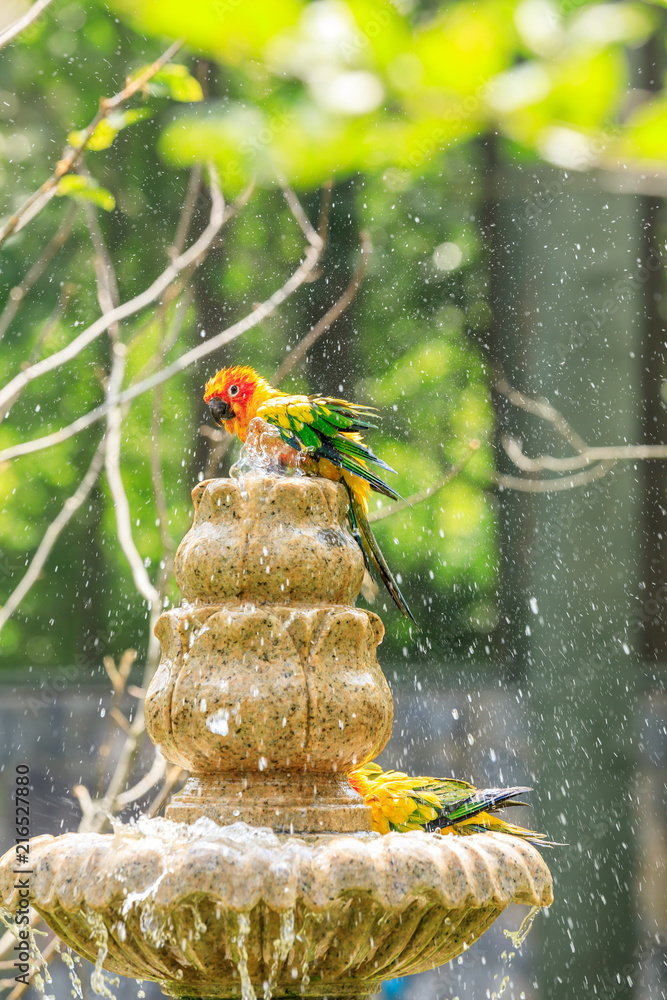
(275, 538)
(213, 912)
(269, 692)
(269, 700)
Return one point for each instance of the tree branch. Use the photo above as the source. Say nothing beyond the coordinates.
(415, 498)
(266, 308)
(144, 784)
(296, 208)
(145, 298)
(107, 295)
(330, 316)
(612, 453)
(185, 221)
(540, 408)
(73, 155)
(115, 481)
(553, 485)
(52, 535)
(31, 15)
(17, 295)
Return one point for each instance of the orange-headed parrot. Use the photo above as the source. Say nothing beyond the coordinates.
(327, 430)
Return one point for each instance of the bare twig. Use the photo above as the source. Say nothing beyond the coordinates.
(415, 498)
(554, 485)
(50, 324)
(540, 408)
(145, 298)
(296, 208)
(31, 15)
(115, 480)
(194, 187)
(157, 477)
(154, 451)
(18, 294)
(73, 155)
(118, 676)
(96, 812)
(330, 316)
(613, 453)
(52, 535)
(173, 776)
(325, 210)
(266, 308)
(145, 784)
(53, 320)
(107, 294)
(607, 457)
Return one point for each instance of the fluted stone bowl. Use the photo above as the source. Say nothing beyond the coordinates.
(259, 687)
(269, 538)
(227, 911)
(269, 707)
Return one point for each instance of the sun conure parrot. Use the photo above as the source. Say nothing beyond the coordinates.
(400, 802)
(327, 430)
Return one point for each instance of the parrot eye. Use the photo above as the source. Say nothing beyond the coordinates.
(233, 390)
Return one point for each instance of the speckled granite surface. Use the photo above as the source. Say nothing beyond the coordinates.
(269, 691)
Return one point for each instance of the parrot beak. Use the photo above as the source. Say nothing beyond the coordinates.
(220, 410)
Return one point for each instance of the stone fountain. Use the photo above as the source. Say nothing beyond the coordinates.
(265, 879)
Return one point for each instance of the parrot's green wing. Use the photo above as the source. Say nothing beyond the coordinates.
(329, 428)
(321, 425)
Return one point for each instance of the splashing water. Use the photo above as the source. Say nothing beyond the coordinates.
(36, 959)
(67, 959)
(247, 992)
(98, 980)
(282, 946)
(517, 938)
(265, 451)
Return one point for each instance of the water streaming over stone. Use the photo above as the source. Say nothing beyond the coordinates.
(517, 938)
(265, 873)
(70, 962)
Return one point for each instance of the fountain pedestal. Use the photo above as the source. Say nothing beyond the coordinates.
(264, 879)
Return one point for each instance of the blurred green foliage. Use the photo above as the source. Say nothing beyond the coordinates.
(396, 103)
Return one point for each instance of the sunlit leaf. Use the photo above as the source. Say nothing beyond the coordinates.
(644, 135)
(107, 129)
(174, 80)
(82, 188)
(230, 29)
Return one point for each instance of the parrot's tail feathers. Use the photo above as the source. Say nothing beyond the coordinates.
(498, 798)
(492, 824)
(475, 814)
(357, 467)
(362, 532)
(481, 800)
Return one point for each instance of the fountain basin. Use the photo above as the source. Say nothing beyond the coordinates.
(269, 692)
(211, 911)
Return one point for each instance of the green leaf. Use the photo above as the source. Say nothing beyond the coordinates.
(86, 189)
(106, 130)
(233, 30)
(174, 80)
(644, 135)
